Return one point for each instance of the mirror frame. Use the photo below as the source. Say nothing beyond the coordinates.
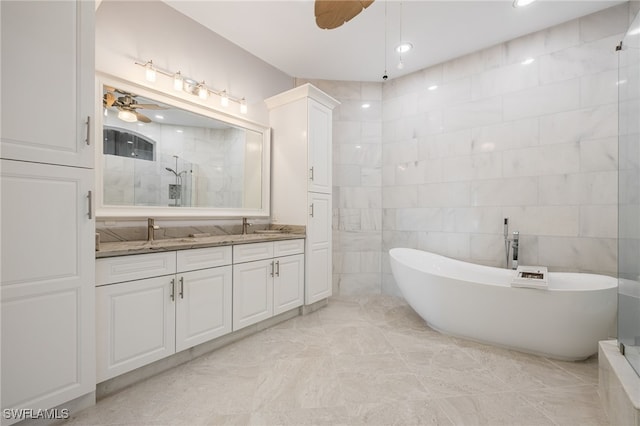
(106, 212)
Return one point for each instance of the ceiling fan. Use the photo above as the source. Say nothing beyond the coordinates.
(331, 14)
(127, 105)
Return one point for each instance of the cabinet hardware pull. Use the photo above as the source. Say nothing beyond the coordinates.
(311, 210)
(181, 288)
(173, 289)
(272, 268)
(88, 138)
(90, 201)
(277, 268)
(311, 173)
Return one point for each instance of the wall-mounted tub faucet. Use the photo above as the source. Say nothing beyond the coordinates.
(515, 243)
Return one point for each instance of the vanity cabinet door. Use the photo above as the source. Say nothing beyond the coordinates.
(319, 133)
(318, 252)
(48, 81)
(135, 324)
(288, 283)
(203, 306)
(252, 292)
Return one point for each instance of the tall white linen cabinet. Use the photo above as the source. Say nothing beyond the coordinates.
(47, 233)
(301, 122)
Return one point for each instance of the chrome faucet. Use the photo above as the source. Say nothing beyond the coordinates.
(151, 227)
(245, 225)
(515, 243)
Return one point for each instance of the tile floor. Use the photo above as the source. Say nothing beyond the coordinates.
(368, 360)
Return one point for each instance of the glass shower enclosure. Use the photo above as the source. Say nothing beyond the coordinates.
(629, 195)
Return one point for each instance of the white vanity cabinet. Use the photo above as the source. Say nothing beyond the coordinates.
(150, 306)
(301, 120)
(268, 279)
(47, 151)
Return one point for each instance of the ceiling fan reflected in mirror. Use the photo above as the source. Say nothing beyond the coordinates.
(331, 14)
(127, 105)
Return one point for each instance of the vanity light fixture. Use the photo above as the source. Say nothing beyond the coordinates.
(188, 85)
(522, 3)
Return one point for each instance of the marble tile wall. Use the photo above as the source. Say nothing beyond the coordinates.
(536, 143)
(439, 169)
(357, 185)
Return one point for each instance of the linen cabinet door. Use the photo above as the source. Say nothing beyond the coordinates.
(252, 292)
(48, 77)
(318, 253)
(135, 323)
(203, 306)
(47, 296)
(319, 133)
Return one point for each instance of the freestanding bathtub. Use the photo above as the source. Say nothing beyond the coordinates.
(477, 302)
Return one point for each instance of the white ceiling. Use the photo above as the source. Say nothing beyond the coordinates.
(284, 33)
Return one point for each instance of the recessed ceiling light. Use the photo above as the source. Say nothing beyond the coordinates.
(434, 87)
(527, 61)
(365, 106)
(160, 117)
(404, 47)
(522, 3)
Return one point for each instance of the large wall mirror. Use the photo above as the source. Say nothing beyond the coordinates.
(163, 156)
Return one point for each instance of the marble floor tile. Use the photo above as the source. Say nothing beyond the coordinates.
(361, 360)
(508, 409)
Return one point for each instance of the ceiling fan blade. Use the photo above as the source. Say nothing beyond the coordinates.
(109, 99)
(331, 14)
(148, 106)
(142, 117)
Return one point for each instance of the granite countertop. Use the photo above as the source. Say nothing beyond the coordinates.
(124, 248)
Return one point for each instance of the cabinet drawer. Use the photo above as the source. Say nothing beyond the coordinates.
(210, 257)
(126, 268)
(254, 251)
(288, 247)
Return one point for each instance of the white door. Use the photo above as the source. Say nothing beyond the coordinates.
(135, 323)
(48, 81)
(203, 306)
(47, 279)
(252, 292)
(318, 253)
(288, 283)
(319, 134)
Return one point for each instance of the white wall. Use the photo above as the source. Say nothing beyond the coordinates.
(129, 31)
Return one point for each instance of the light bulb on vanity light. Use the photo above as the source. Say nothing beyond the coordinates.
(224, 99)
(203, 92)
(150, 72)
(177, 81)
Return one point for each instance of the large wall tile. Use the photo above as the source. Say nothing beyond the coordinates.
(542, 100)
